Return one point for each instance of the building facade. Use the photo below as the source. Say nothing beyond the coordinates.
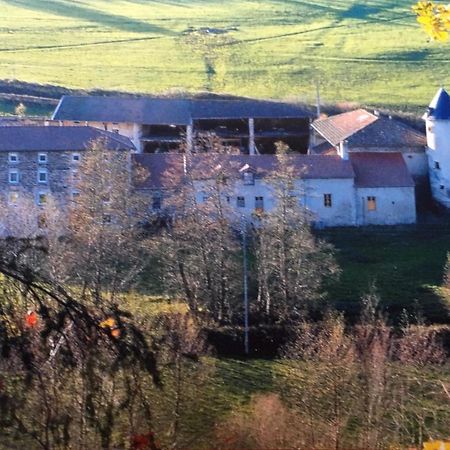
(437, 120)
(334, 191)
(39, 162)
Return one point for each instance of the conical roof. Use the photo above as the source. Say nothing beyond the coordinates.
(439, 108)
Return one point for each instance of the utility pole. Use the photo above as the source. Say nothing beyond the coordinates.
(245, 274)
(318, 99)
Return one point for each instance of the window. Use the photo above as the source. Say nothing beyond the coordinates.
(13, 176)
(42, 198)
(13, 198)
(437, 165)
(76, 157)
(42, 158)
(156, 202)
(240, 202)
(249, 178)
(327, 201)
(75, 176)
(107, 218)
(371, 203)
(13, 158)
(259, 204)
(228, 199)
(75, 195)
(442, 187)
(42, 176)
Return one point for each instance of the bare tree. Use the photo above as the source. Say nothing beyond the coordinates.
(291, 262)
(199, 250)
(105, 249)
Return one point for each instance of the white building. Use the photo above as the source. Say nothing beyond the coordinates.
(361, 131)
(437, 120)
(366, 189)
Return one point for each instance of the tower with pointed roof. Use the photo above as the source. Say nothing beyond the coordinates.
(437, 120)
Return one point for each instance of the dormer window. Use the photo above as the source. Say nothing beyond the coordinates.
(249, 178)
(248, 175)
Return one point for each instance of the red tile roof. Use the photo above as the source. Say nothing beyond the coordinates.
(337, 128)
(380, 170)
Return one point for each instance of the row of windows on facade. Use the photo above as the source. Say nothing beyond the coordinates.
(42, 158)
(42, 176)
(259, 202)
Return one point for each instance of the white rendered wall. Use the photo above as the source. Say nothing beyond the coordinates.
(417, 163)
(438, 138)
(394, 206)
(310, 193)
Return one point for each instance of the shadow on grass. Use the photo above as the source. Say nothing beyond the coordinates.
(360, 12)
(404, 264)
(75, 10)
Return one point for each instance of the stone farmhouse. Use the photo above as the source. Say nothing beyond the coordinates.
(37, 161)
(352, 169)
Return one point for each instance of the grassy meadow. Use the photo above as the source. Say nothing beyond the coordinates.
(369, 52)
(406, 265)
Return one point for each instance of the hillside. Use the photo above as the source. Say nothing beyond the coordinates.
(369, 52)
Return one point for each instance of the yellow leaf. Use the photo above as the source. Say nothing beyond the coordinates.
(108, 323)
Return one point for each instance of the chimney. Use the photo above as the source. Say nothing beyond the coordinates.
(343, 150)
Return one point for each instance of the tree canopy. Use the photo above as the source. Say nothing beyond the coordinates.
(434, 18)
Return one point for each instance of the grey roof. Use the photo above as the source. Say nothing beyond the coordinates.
(439, 108)
(166, 111)
(166, 170)
(55, 138)
(363, 129)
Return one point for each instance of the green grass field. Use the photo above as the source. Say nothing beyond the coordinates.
(370, 52)
(406, 266)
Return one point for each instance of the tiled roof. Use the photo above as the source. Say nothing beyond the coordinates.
(167, 111)
(337, 128)
(380, 170)
(362, 129)
(166, 170)
(439, 108)
(51, 138)
(387, 133)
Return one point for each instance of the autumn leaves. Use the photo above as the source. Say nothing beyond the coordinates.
(434, 18)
